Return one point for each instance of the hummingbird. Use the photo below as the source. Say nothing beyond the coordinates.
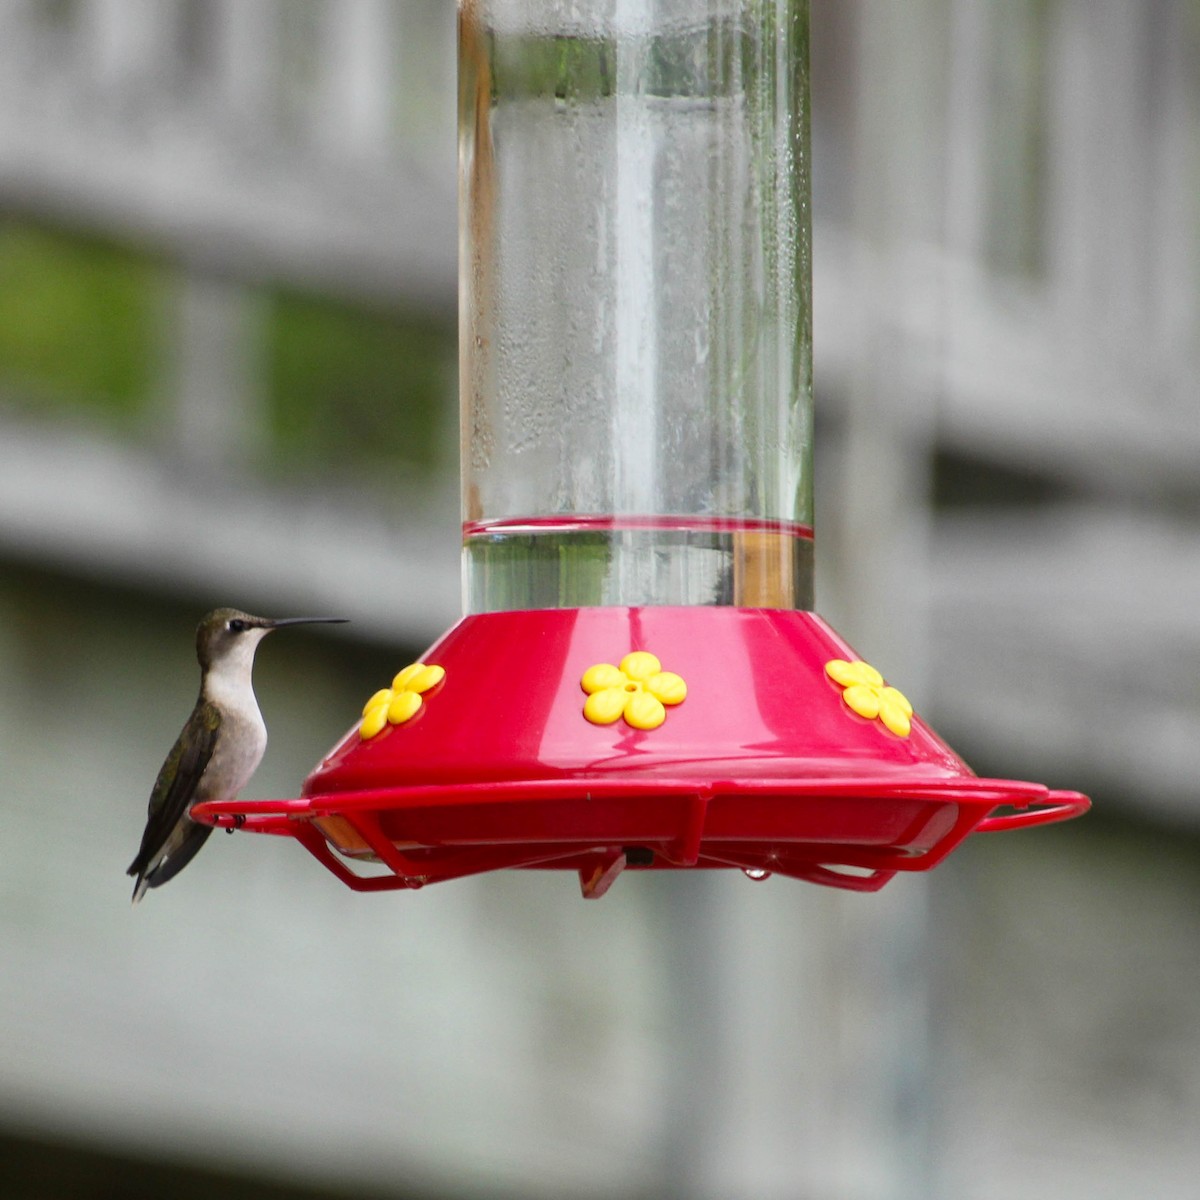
(219, 748)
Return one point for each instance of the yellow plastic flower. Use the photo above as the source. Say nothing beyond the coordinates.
(402, 701)
(638, 690)
(867, 694)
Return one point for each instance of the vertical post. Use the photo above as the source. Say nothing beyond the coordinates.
(358, 77)
(880, 505)
(215, 373)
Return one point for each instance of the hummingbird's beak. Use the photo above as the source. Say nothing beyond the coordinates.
(306, 621)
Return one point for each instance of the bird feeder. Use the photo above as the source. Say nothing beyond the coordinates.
(639, 681)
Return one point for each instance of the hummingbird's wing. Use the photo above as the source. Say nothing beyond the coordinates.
(175, 788)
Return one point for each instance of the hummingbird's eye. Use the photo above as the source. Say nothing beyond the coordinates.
(237, 626)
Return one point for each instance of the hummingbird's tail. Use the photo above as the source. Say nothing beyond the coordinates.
(166, 866)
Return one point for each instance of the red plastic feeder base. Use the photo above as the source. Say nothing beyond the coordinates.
(770, 763)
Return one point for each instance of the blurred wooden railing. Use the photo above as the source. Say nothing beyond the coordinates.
(1007, 272)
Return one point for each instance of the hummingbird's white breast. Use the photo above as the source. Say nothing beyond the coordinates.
(242, 738)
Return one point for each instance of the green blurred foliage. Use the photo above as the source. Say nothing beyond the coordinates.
(346, 391)
(350, 387)
(77, 324)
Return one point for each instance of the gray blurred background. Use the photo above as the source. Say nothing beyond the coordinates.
(227, 358)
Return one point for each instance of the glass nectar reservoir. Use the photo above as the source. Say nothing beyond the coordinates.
(635, 353)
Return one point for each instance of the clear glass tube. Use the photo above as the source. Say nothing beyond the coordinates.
(635, 324)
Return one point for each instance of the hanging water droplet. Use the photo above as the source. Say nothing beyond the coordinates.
(758, 874)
